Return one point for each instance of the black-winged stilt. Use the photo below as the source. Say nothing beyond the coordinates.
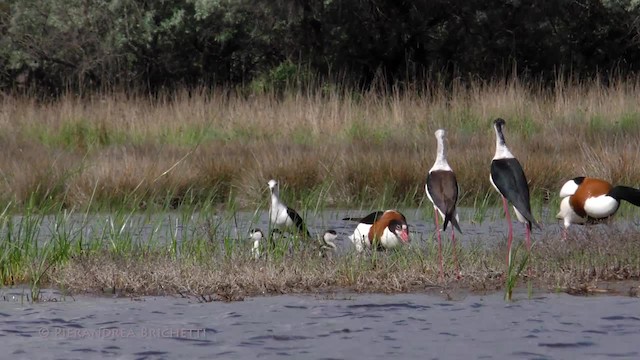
(442, 189)
(283, 217)
(508, 178)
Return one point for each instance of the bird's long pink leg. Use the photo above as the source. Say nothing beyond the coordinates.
(455, 258)
(510, 236)
(528, 239)
(439, 244)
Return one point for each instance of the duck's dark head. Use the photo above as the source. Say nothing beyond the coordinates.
(400, 229)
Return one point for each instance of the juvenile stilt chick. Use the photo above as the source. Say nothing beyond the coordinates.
(327, 243)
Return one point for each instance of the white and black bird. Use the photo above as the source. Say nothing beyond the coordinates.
(507, 177)
(326, 242)
(283, 217)
(256, 236)
(380, 230)
(591, 200)
(442, 189)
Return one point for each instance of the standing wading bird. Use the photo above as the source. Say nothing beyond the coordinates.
(283, 217)
(589, 200)
(508, 178)
(380, 230)
(442, 190)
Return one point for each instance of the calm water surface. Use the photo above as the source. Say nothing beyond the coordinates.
(489, 228)
(407, 326)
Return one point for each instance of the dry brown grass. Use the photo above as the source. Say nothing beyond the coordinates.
(112, 147)
(580, 263)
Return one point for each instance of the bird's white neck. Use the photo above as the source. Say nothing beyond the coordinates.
(275, 200)
(502, 152)
(441, 156)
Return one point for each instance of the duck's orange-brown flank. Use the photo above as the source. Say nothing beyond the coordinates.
(375, 233)
(590, 187)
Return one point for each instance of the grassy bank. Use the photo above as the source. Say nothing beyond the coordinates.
(115, 151)
(210, 262)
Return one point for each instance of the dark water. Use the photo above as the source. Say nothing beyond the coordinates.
(407, 326)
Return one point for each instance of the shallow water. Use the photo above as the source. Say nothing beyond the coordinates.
(551, 326)
(164, 227)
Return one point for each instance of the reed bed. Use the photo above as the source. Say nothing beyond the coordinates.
(198, 146)
(212, 152)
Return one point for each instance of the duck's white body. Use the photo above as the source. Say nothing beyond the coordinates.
(567, 214)
(587, 199)
(360, 238)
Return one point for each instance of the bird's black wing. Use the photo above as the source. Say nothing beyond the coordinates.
(509, 178)
(443, 189)
(369, 219)
(453, 219)
(297, 219)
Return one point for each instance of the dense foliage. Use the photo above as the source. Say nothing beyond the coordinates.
(79, 44)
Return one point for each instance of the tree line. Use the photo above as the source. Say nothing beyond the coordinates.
(58, 45)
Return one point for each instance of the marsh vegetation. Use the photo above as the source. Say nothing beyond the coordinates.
(212, 151)
(334, 147)
(200, 255)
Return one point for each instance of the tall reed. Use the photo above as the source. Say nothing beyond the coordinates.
(193, 147)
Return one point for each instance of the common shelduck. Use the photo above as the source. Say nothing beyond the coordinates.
(508, 178)
(587, 200)
(380, 230)
(442, 189)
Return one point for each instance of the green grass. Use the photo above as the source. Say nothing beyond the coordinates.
(78, 134)
(481, 205)
(213, 259)
(515, 267)
(40, 246)
(629, 122)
